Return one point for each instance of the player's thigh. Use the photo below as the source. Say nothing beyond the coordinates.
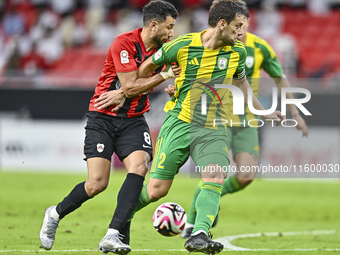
(172, 148)
(98, 170)
(133, 135)
(209, 151)
(245, 139)
(137, 162)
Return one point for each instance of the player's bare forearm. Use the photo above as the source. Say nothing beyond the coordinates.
(243, 84)
(142, 85)
(137, 82)
(146, 68)
(281, 82)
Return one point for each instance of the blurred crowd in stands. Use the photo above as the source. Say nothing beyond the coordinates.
(36, 34)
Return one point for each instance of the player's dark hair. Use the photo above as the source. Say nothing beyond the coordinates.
(158, 10)
(227, 10)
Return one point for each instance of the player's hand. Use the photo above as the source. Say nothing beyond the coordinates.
(171, 90)
(114, 98)
(176, 70)
(170, 71)
(301, 125)
(274, 117)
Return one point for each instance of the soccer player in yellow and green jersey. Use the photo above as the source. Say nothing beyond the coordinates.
(206, 59)
(243, 140)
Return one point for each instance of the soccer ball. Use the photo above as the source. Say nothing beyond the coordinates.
(169, 219)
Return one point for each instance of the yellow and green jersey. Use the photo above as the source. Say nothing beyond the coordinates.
(201, 70)
(259, 55)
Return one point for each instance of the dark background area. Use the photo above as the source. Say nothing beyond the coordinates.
(73, 104)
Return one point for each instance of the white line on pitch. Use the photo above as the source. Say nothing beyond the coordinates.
(169, 250)
(226, 240)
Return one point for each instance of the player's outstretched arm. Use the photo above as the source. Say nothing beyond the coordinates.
(132, 86)
(117, 97)
(282, 81)
(244, 85)
(135, 82)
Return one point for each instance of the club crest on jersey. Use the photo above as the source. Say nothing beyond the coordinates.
(100, 147)
(158, 54)
(124, 57)
(222, 63)
(249, 61)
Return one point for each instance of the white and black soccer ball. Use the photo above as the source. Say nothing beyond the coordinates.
(169, 219)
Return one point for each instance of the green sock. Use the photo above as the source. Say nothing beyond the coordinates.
(143, 201)
(231, 185)
(207, 204)
(191, 215)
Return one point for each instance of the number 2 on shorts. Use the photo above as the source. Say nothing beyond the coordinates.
(162, 158)
(159, 158)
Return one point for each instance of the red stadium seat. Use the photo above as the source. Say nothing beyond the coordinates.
(78, 67)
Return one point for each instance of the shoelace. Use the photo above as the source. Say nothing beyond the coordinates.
(210, 235)
(52, 225)
(118, 235)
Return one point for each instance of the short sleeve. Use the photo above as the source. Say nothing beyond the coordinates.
(270, 63)
(166, 54)
(122, 52)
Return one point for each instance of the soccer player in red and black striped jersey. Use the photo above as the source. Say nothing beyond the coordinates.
(124, 132)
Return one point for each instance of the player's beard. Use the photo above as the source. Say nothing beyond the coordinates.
(159, 41)
(230, 41)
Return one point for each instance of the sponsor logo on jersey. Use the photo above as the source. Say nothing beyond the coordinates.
(100, 147)
(222, 63)
(158, 54)
(249, 61)
(124, 57)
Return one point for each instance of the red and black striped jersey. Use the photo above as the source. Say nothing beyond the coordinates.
(126, 54)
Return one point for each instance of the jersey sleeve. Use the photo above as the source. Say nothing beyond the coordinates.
(241, 68)
(165, 55)
(270, 63)
(122, 52)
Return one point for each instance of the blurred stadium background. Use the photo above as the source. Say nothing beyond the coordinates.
(52, 53)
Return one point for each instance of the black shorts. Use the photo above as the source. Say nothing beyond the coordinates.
(105, 135)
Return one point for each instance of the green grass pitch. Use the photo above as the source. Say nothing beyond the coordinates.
(279, 211)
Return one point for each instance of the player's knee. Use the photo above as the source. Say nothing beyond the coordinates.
(155, 194)
(140, 169)
(94, 188)
(245, 181)
(220, 180)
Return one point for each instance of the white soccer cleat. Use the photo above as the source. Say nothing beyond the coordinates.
(113, 243)
(48, 229)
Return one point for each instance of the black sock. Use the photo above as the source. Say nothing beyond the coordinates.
(73, 200)
(127, 200)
